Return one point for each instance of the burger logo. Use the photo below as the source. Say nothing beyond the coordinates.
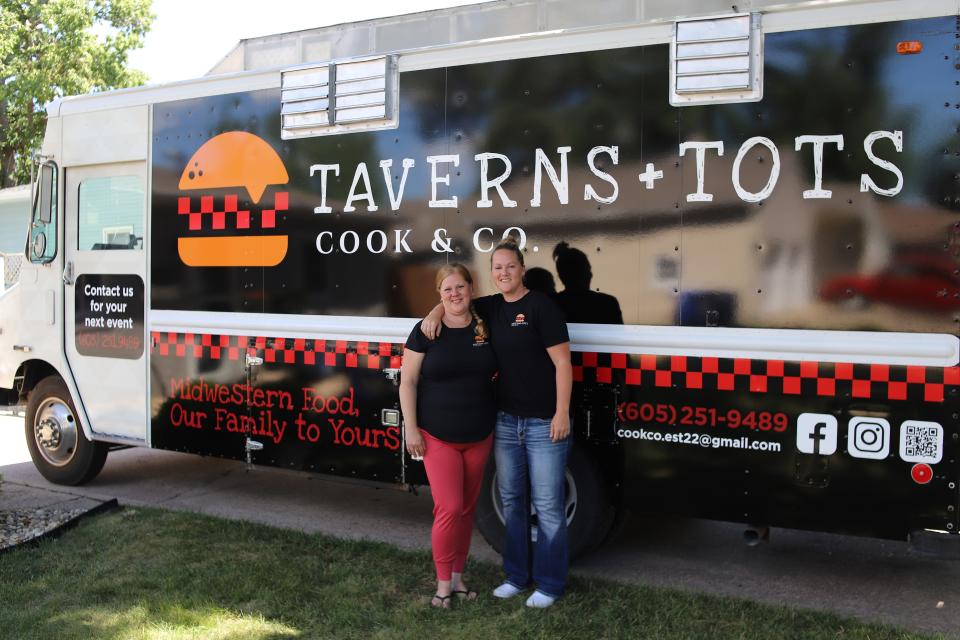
(235, 159)
(519, 321)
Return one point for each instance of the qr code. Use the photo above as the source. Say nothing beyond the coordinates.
(921, 441)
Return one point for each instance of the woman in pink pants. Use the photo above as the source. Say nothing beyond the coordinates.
(449, 410)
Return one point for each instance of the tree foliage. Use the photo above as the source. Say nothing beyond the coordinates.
(55, 48)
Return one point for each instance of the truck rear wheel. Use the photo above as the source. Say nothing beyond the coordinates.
(60, 451)
(590, 511)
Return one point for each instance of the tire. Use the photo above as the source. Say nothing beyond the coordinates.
(590, 510)
(60, 451)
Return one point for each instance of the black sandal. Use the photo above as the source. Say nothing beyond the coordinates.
(443, 601)
(467, 595)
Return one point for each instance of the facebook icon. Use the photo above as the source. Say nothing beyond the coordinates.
(817, 434)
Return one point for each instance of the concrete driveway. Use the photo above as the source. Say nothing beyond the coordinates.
(873, 580)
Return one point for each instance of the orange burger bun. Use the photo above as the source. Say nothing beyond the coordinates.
(234, 159)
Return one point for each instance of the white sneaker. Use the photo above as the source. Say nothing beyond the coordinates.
(506, 590)
(540, 600)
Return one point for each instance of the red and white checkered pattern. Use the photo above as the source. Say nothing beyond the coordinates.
(859, 381)
(218, 217)
(331, 353)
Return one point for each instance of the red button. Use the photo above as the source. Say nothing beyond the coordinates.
(921, 473)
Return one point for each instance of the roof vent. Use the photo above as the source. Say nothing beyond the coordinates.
(342, 97)
(717, 60)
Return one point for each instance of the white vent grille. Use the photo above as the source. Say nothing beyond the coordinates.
(717, 60)
(356, 95)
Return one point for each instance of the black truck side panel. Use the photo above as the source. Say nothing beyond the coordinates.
(702, 436)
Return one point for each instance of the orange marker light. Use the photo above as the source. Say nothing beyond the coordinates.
(908, 47)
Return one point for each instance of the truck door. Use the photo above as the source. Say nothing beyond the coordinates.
(104, 285)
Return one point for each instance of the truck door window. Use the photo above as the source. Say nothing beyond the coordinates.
(110, 214)
(42, 240)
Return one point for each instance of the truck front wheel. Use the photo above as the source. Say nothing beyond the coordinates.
(60, 451)
(589, 509)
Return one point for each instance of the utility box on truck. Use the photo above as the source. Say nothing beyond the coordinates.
(749, 218)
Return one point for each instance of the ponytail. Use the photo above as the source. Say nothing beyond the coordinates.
(481, 328)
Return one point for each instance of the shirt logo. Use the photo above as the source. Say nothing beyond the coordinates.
(479, 341)
(519, 321)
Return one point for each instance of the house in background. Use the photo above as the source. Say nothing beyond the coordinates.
(14, 218)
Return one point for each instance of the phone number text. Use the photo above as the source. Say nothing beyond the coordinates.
(668, 414)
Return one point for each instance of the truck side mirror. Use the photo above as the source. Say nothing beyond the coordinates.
(42, 238)
(45, 186)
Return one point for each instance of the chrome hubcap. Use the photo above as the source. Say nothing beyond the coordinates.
(55, 432)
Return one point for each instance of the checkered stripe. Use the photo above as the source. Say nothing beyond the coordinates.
(876, 381)
(331, 353)
(218, 217)
(862, 381)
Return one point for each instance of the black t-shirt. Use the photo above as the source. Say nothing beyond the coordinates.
(521, 332)
(590, 306)
(456, 399)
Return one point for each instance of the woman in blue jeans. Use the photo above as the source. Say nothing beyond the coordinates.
(532, 437)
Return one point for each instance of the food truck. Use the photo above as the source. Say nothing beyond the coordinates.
(749, 213)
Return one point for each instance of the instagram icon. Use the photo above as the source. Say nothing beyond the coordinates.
(868, 438)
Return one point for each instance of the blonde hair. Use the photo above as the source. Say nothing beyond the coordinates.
(460, 270)
(509, 244)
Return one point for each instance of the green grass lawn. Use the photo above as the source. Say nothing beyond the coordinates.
(147, 573)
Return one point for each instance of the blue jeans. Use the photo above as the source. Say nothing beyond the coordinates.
(531, 468)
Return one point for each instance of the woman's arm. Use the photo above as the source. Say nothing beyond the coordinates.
(409, 375)
(430, 326)
(560, 425)
(433, 323)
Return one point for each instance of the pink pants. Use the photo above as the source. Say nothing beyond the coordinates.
(455, 471)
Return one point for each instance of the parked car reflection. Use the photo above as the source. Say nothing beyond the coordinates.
(911, 281)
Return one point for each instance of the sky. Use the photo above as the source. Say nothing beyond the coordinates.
(189, 37)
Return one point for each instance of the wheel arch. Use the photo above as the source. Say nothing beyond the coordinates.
(30, 373)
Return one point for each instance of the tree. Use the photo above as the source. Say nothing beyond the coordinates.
(55, 48)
